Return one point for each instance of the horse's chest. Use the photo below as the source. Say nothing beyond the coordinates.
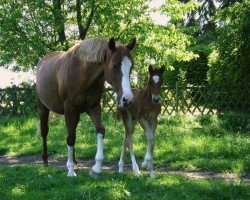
(151, 112)
(88, 100)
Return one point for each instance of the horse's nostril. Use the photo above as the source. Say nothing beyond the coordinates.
(124, 100)
(156, 99)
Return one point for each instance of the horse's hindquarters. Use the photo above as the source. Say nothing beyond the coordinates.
(47, 88)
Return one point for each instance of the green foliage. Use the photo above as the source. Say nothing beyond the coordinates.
(31, 29)
(230, 61)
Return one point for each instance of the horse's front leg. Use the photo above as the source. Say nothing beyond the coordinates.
(71, 120)
(95, 115)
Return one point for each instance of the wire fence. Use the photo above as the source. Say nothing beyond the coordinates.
(181, 99)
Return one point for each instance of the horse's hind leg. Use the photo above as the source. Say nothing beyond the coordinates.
(44, 115)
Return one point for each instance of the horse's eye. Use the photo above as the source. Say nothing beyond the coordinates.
(113, 66)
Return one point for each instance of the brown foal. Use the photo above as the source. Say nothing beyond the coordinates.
(145, 109)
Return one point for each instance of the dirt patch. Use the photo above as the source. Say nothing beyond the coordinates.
(86, 164)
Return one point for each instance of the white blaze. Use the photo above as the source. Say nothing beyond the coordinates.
(126, 89)
(156, 78)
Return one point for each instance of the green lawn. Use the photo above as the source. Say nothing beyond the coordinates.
(216, 143)
(30, 182)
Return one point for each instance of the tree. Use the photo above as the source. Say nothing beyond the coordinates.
(230, 61)
(30, 29)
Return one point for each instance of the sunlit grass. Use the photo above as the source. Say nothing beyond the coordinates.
(35, 182)
(182, 142)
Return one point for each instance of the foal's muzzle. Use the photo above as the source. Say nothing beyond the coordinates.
(156, 98)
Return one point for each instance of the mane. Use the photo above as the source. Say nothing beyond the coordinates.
(90, 50)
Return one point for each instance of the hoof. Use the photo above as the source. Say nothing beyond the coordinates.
(136, 170)
(94, 174)
(138, 173)
(75, 166)
(45, 164)
(144, 165)
(120, 170)
(152, 175)
(71, 174)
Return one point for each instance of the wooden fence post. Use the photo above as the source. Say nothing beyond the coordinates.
(176, 97)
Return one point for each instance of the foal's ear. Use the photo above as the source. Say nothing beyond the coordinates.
(131, 45)
(150, 69)
(162, 69)
(112, 44)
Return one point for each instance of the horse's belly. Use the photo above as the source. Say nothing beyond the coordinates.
(48, 94)
(51, 100)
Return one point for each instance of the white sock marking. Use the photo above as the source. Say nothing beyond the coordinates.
(99, 154)
(70, 164)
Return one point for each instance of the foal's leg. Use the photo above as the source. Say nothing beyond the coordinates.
(134, 164)
(129, 125)
(71, 119)
(95, 115)
(44, 128)
(149, 128)
(121, 162)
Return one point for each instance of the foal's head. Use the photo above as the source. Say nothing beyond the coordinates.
(155, 82)
(118, 70)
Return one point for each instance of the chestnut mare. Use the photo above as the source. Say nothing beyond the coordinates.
(145, 109)
(72, 82)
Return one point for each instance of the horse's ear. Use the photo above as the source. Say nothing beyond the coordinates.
(131, 45)
(112, 44)
(162, 69)
(150, 69)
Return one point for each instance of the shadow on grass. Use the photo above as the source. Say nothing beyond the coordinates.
(26, 182)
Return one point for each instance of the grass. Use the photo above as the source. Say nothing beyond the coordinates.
(215, 143)
(218, 143)
(35, 182)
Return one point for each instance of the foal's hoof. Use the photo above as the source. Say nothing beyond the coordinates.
(94, 174)
(144, 165)
(152, 175)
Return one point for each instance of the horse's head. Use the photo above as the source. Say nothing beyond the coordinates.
(155, 82)
(117, 72)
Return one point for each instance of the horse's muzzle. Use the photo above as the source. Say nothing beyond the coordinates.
(126, 102)
(156, 99)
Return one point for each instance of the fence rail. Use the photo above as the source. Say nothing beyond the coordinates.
(182, 99)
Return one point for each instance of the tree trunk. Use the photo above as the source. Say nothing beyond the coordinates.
(83, 30)
(59, 22)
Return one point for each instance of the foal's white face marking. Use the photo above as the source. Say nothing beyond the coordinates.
(126, 89)
(156, 78)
